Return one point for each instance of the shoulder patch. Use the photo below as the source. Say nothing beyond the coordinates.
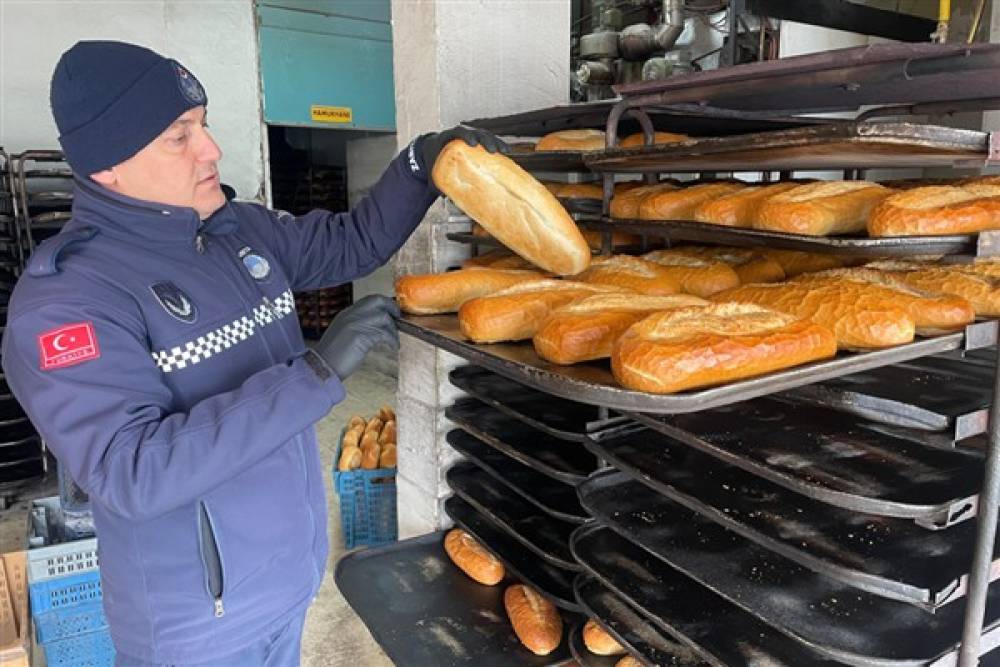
(68, 345)
(45, 259)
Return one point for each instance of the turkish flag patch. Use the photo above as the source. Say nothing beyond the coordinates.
(68, 345)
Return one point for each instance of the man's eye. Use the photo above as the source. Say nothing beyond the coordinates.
(178, 140)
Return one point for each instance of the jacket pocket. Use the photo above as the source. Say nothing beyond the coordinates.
(211, 557)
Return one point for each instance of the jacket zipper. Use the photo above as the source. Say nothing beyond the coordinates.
(212, 559)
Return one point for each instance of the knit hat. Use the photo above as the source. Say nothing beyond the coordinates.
(111, 99)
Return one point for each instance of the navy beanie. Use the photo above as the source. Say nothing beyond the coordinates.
(111, 99)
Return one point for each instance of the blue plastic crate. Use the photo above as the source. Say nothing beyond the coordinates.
(91, 649)
(67, 606)
(64, 623)
(367, 505)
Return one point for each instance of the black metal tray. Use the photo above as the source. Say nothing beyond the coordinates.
(472, 239)
(984, 243)
(593, 382)
(558, 417)
(583, 657)
(838, 145)
(834, 619)
(547, 537)
(556, 499)
(718, 631)
(564, 461)
(558, 161)
(891, 558)
(553, 582)
(422, 610)
(813, 451)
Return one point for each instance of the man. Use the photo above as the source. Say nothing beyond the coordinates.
(155, 345)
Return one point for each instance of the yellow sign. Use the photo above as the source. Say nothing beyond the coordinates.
(322, 114)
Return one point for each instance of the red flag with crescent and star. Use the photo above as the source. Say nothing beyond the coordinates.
(68, 345)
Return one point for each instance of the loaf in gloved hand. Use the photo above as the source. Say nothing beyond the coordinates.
(431, 145)
(356, 330)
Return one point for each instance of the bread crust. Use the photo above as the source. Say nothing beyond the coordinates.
(473, 558)
(822, 208)
(633, 273)
(795, 262)
(981, 291)
(739, 208)
(625, 205)
(598, 641)
(750, 267)
(580, 191)
(680, 204)
(434, 293)
(536, 621)
(935, 211)
(659, 138)
(572, 140)
(701, 277)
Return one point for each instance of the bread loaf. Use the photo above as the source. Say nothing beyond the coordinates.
(988, 268)
(931, 313)
(659, 138)
(739, 208)
(572, 140)
(388, 433)
(356, 420)
(982, 292)
(370, 456)
(472, 558)
(681, 204)
(588, 328)
(369, 439)
(387, 457)
(500, 258)
(445, 292)
(750, 267)
(512, 206)
(697, 276)
(794, 262)
(618, 239)
(700, 347)
(580, 191)
(374, 425)
(350, 459)
(821, 209)
(598, 641)
(517, 312)
(633, 273)
(628, 661)
(625, 205)
(536, 621)
(862, 316)
(937, 210)
(352, 437)
(386, 414)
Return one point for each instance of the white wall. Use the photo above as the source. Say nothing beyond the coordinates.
(367, 160)
(215, 39)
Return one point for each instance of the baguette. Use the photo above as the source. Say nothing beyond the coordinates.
(821, 209)
(512, 206)
(618, 239)
(681, 204)
(598, 641)
(739, 208)
(633, 273)
(350, 459)
(572, 140)
(982, 291)
(625, 205)
(988, 268)
(861, 316)
(750, 267)
(370, 456)
(388, 434)
(387, 457)
(795, 262)
(580, 191)
(588, 328)
(935, 210)
(536, 621)
(517, 312)
(930, 313)
(701, 347)
(472, 558)
(659, 138)
(697, 276)
(501, 258)
(433, 293)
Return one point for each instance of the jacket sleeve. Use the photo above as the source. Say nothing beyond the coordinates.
(109, 418)
(322, 249)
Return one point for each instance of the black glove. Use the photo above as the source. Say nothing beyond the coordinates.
(356, 330)
(431, 144)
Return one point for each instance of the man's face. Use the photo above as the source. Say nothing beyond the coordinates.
(177, 168)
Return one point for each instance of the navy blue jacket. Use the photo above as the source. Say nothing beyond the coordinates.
(162, 361)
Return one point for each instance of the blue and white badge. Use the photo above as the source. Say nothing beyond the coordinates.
(257, 266)
(177, 304)
(190, 86)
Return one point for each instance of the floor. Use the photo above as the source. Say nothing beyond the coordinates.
(334, 636)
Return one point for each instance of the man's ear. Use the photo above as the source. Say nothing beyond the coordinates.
(107, 178)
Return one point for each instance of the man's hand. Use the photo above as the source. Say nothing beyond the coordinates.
(431, 145)
(356, 330)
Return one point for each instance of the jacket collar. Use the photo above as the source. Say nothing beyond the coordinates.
(118, 215)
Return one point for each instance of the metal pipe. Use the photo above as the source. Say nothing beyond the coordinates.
(986, 531)
(673, 24)
(944, 18)
(975, 21)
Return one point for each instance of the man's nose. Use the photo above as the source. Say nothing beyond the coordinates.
(208, 150)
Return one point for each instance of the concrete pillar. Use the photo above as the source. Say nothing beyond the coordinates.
(456, 60)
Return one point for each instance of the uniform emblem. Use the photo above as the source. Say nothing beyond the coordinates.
(68, 345)
(190, 87)
(257, 266)
(177, 304)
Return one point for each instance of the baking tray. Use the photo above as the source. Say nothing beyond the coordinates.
(718, 631)
(556, 499)
(559, 417)
(838, 145)
(891, 558)
(547, 537)
(563, 461)
(593, 383)
(422, 610)
(834, 619)
(584, 657)
(859, 246)
(472, 239)
(811, 451)
(912, 397)
(26, 467)
(559, 161)
(640, 637)
(553, 582)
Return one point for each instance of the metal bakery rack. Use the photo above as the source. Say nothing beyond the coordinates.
(843, 512)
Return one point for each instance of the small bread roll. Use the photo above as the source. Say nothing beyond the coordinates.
(472, 558)
(386, 414)
(388, 433)
(536, 621)
(350, 459)
(387, 457)
(370, 457)
(355, 422)
(369, 439)
(352, 438)
(598, 641)
(374, 425)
